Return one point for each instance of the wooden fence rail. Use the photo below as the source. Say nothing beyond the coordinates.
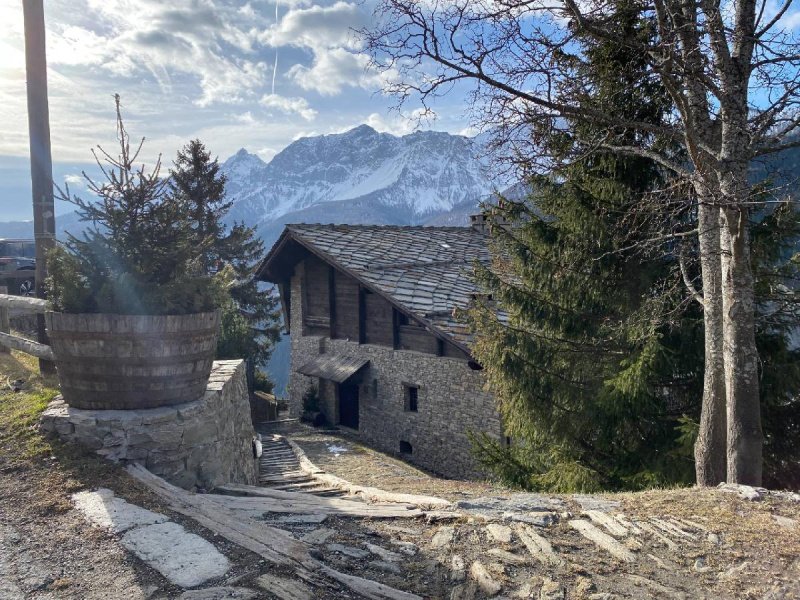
(20, 304)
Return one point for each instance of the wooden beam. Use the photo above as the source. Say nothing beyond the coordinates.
(332, 301)
(27, 346)
(395, 328)
(275, 545)
(362, 315)
(23, 303)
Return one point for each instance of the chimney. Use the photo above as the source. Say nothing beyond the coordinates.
(481, 223)
(478, 223)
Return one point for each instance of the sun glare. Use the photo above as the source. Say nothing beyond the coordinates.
(12, 58)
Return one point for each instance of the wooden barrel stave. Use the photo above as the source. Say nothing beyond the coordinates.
(132, 361)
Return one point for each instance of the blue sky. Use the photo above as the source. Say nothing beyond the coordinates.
(191, 68)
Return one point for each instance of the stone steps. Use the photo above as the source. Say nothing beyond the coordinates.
(280, 470)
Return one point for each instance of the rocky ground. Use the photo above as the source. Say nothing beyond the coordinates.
(493, 543)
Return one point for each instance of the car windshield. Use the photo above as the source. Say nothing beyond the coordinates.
(18, 249)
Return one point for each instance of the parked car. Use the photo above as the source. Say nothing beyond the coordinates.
(18, 266)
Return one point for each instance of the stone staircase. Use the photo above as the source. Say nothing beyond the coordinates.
(280, 470)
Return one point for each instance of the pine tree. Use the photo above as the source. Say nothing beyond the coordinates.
(138, 254)
(595, 355)
(250, 320)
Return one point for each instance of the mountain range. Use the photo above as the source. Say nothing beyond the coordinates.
(362, 176)
(359, 176)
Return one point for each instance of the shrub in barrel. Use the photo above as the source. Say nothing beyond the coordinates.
(135, 319)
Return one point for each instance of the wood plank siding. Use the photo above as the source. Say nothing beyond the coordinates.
(345, 323)
(316, 297)
(337, 306)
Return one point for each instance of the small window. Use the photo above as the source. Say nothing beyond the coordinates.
(411, 398)
(405, 447)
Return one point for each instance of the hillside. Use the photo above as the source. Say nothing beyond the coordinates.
(490, 542)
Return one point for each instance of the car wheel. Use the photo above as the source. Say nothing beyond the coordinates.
(27, 288)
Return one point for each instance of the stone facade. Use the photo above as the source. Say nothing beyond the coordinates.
(200, 444)
(452, 397)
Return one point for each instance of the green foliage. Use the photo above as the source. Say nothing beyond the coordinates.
(250, 315)
(594, 354)
(138, 256)
(262, 382)
(311, 399)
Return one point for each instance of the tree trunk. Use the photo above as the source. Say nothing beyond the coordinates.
(710, 448)
(745, 438)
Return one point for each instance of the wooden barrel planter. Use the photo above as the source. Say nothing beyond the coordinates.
(107, 361)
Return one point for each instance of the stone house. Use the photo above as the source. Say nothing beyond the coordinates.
(370, 312)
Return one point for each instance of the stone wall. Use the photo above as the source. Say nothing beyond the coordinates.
(452, 399)
(200, 444)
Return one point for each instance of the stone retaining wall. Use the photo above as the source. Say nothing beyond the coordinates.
(200, 444)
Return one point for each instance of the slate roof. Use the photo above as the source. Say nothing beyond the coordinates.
(425, 270)
(333, 367)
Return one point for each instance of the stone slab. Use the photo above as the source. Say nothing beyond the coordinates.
(103, 509)
(219, 593)
(184, 558)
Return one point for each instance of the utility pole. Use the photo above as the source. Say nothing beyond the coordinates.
(44, 224)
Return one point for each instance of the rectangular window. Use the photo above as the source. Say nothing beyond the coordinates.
(411, 397)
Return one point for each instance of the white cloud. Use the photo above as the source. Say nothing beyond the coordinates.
(334, 69)
(319, 27)
(74, 179)
(285, 105)
(401, 124)
(211, 42)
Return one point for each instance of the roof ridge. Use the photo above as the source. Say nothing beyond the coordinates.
(377, 226)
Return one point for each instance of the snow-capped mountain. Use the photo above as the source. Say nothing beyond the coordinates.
(356, 177)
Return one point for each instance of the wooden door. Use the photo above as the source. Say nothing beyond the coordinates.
(348, 405)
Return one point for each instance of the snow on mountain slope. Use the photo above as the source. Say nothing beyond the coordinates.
(420, 174)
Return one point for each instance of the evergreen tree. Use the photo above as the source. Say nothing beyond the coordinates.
(138, 256)
(595, 354)
(196, 182)
(250, 320)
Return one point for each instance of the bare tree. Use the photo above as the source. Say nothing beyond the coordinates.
(732, 72)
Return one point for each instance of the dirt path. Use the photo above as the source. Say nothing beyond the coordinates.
(660, 544)
(340, 454)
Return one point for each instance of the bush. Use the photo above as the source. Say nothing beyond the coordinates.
(263, 383)
(311, 400)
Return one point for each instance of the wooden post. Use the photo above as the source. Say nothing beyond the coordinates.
(362, 316)
(395, 328)
(41, 160)
(332, 302)
(5, 325)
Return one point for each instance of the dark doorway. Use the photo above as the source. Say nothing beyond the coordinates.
(348, 405)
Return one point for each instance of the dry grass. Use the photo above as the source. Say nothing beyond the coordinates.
(44, 470)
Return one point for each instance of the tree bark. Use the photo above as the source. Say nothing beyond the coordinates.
(710, 447)
(745, 437)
